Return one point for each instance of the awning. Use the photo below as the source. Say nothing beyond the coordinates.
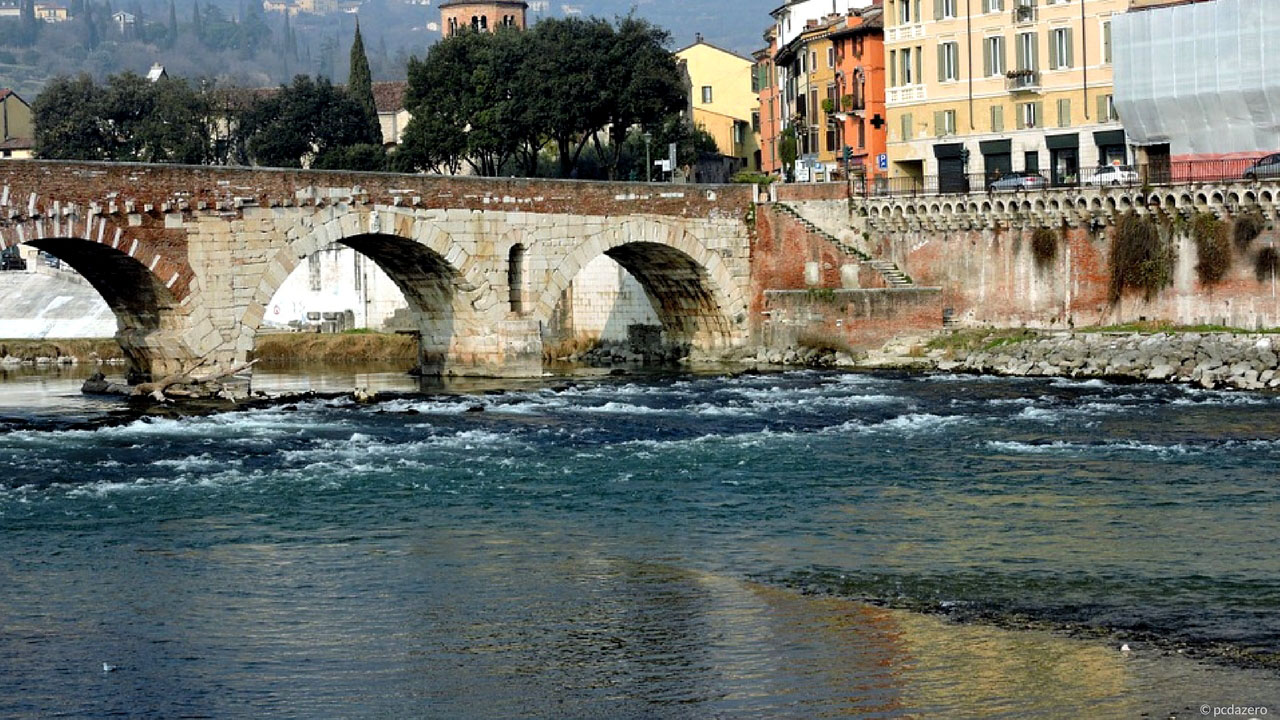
(996, 147)
(1102, 138)
(1063, 142)
(949, 150)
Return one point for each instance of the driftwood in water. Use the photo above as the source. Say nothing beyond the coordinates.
(99, 385)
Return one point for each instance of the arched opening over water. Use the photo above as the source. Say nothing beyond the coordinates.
(375, 281)
(58, 304)
(650, 298)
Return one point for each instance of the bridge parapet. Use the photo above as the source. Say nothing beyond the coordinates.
(1051, 208)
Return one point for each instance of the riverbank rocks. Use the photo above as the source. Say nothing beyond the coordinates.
(808, 357)
(1209, 360)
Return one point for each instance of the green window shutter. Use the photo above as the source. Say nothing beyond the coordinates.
(1035, 51)
(1102, 108)
(937, 9)
(1053, 50)
(1021, 123)
(919, 64)
(1106, 42)
(1022, 53)
(1070, 59)
(906, 127)
(893, 68)
(986, 58)
(942, 62)
(918, 16)
(1064, 113)
(1039, 113)
(997, 118)
(1001, 54)
(937, 123)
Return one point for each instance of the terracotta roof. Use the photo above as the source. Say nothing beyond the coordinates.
(389, 96)
(451, 3)
(18, 144)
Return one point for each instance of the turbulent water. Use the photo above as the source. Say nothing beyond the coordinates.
(625, 547)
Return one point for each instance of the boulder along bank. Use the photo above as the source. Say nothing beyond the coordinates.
(1209, 360)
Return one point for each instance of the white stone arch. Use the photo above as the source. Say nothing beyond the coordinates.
(710, 313)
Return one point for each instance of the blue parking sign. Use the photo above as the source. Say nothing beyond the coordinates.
(882, 161)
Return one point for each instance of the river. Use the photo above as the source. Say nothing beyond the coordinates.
(793, 545)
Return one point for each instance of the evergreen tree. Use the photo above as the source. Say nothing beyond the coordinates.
(29, 27)
(197, 20)
(360, 84)
(173, 24)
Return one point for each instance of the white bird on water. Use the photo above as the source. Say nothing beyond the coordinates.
(107, 667)
(1124, 648)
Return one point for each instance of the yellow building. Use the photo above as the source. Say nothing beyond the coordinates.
(17, 127)
(723, 98)
(998, 86)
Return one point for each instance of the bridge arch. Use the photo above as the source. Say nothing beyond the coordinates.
(442, 285)
(691, 286)
(146, 290)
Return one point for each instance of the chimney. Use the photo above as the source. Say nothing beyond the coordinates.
(697, 38)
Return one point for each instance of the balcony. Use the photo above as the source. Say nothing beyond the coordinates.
(1022, 81)
(1023, 13)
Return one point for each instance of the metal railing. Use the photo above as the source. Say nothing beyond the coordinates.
(1022, 80)
(1186, 172)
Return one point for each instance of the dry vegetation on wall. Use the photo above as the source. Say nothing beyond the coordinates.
(1044, 246)
(345, 347)
(1141, 258)
(1213, 248)
(1266, 264)
(822, 341)
(84, 350)
(1248, 226)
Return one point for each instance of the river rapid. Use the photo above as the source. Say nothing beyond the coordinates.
(796, 545)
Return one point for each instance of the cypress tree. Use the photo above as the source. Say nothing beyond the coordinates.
(360, 86)
(173, 24)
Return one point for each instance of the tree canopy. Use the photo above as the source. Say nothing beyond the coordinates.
(495, 100)
(305, 120)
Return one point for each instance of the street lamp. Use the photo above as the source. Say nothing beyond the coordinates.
(648, 166)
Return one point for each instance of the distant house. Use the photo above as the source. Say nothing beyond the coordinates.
(124, 21)
(293, 7)
(10, 9)
(392, 115)
(51, 13)
(17, 127)
(156, 73)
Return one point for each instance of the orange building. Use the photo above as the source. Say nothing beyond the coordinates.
(768, 118)
(484, 15)
(860, 81)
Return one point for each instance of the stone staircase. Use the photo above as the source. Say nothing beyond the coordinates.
(892, 274)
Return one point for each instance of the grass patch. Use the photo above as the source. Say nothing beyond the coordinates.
(1152, 327)
(339, 348)
(967, 341)
(82, 349)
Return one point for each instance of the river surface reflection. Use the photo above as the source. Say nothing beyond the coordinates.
(796, 545)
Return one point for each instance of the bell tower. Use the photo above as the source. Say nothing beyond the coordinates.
(482, 15)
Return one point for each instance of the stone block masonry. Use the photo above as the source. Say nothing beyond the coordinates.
(188, 258)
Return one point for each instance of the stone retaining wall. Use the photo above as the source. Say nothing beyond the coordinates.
(1212, 360)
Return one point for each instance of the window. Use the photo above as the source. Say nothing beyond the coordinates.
(706, 94)
(515, 278)
(997, 118)
(755, 121)
(1106, 42)
(862, 132)
(755, 80)
(993, 6)
(945, 9)
(831, 138)
(993, 56)
(313, 272)
(1031, 161)
(1064, 113)
(904, 12)
(948, 62)
(831, 57)
(1028, 57)
(1107, 109)
(1060, 49)
(358, 270)
(944, 122)
(1028, 115)
(908, 69)
(739, 132)
(813, 59)
(907, 127)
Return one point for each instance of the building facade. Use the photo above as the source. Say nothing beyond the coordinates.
(989, 87)
(722, 98)
(860, 85)
(767, 118)
(17, 126)
(486, 15)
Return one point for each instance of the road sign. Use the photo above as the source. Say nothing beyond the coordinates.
(882, 161)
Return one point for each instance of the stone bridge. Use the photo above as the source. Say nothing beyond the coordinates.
(188, 258)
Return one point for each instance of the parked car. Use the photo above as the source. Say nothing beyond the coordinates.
(1267, 167)
(1019, 181)
(11, 260)
(1113, 175)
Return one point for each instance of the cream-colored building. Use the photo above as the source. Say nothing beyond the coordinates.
(989, 87)
(723, 98)
(17, 127)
